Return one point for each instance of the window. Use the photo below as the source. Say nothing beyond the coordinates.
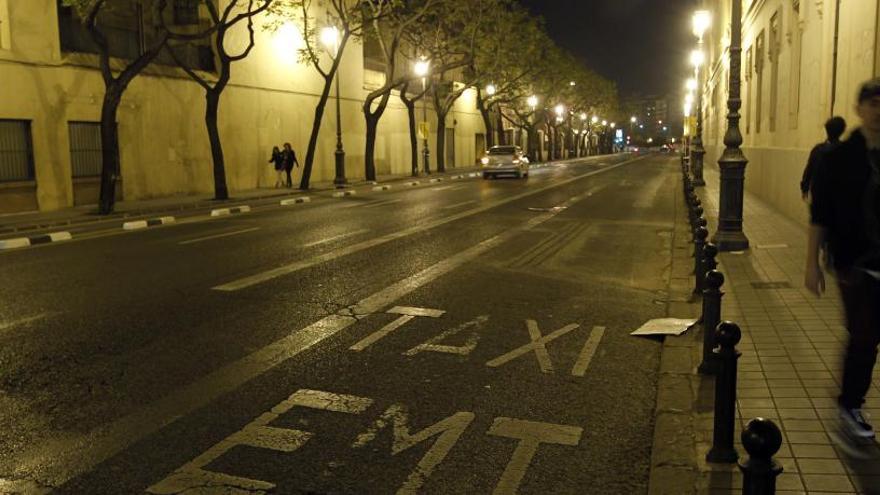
(85, 149)
(759, 86)
(794, 93)
(775, 48)
(748, 96)
(16, 151)
(374, 57)
(186, 12)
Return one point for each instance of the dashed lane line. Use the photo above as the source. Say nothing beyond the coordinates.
(60, 459)
(335, 238)
(383, 203)
(218, 236)
(296, 266)
(458, 205)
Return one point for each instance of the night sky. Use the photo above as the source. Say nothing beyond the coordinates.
(642, 45)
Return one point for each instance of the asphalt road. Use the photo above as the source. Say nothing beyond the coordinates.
(464, 337)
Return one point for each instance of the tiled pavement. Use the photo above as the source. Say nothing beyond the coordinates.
(790, 365)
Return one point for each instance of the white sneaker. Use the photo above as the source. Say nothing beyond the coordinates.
(855, 423)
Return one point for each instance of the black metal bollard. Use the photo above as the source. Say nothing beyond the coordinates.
(727, 335)
(709, 254)
(700, 222)
(696, 212)
(711, 318)
(761, 439)
(700, 235)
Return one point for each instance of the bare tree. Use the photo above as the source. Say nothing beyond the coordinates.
(116, 81)
(221, 24)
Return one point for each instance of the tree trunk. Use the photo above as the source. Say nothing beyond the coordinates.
(372, 119)
(212, 107)
(413, 135)
(441, 141)
(487, 122)
(370, 151)
(502, 137)
(109, 149)
(313, 137)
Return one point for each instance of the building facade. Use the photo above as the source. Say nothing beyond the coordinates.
(50, 103)
(802, 62)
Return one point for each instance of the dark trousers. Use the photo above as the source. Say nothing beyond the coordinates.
(289, 181)
(861, 302)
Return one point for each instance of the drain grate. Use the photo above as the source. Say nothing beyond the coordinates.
(771, 285)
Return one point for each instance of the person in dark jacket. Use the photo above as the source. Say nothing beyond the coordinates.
(834, 128)
(845, 213)
(278, 161)
(289, 162)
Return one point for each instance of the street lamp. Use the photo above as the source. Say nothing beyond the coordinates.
(701, 21)
(691, 84)
(697, 150)
(594, 119)
(330, 39)
(421, 69)
(730, 236)
(560, 110)
(491, 90)
(532, 101)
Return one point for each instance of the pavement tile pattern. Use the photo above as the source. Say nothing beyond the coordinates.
(790, 368)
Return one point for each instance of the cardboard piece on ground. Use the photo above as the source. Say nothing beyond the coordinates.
(665, 326)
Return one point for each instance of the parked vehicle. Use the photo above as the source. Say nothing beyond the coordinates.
(505, 160)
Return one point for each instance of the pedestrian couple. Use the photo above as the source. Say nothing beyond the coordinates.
(284, 161)
(844, 181)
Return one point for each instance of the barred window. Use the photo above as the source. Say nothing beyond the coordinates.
(85, 148)
(16, 151)
(186, 12)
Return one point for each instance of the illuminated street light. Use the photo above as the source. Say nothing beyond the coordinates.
(421, 69)
(532, 101)
(583, 116)
(594, 119)
(613, 125)
(560, 110)
(491, 90)
(691, 84)
(604, 122)
(701, 21)
(633, 119)
(572, 83)
(330, 39)
(697, 58)
(689, 98)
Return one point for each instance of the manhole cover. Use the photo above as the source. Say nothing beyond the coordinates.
(771, 285)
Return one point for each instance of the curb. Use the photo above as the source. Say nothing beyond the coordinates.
(34, 240)
(413, 183)
(342, 194)
(221, 212)
(437, 179)
(151, 222)
(288, 202)
(381, 188)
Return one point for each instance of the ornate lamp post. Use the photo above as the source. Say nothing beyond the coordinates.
(422, 67)
(697, 150)
(732, 163)
(330, 39)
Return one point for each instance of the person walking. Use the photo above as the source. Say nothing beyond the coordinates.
(834, 128)
(845, 212)
(278, 161)
(289, 162)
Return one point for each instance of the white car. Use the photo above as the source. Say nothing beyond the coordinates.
(505, 160)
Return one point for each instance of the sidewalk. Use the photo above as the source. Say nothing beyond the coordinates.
(789, 370)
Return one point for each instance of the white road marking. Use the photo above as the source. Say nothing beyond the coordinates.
(61, 459)
(408, 314)
(218, 236)
(296, 266)
(530, 434)
(5, 325)
(335, 238)
(537, 344)
(383, 203)
(586, 355)
(441, 188)
(771, 246)
(194, 476)
(449, 431)
(434, 345)
(457, 205)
